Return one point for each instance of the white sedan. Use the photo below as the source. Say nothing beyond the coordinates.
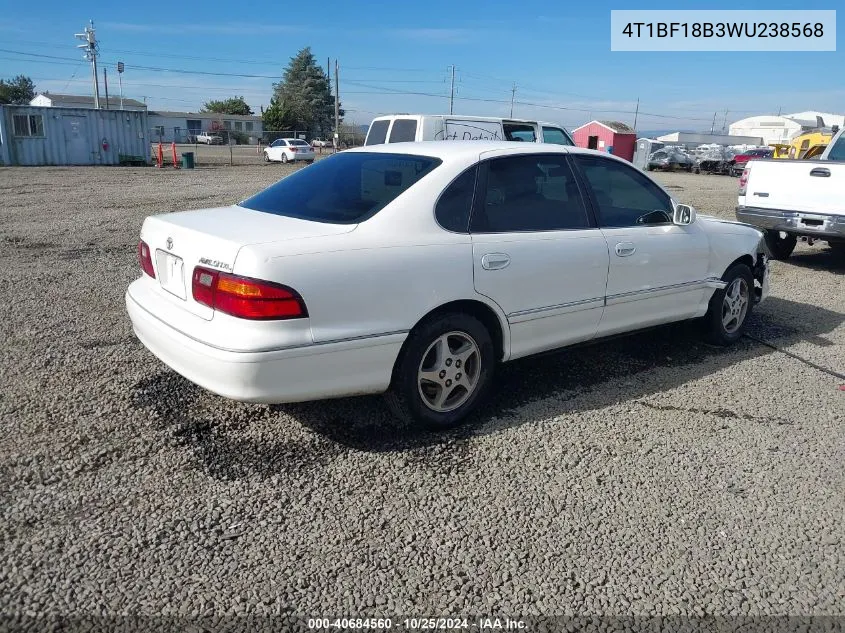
(288, 150)
(413, 269)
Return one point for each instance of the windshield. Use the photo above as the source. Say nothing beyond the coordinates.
(346, 188)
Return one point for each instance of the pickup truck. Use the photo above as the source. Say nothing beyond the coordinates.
(796, 199)
(210, 139)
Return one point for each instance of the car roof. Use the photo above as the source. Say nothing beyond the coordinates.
(449, 150)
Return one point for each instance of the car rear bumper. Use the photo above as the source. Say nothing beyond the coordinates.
(819, 225)
(302, 156)
(309, 372)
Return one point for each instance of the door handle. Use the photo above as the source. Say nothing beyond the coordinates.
(624, 249)
(823, 172)
(495, 261)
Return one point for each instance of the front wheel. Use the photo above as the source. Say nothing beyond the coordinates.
(780, 244)
(443, 373)
(284, 157)
(266, 157)
(729, 307)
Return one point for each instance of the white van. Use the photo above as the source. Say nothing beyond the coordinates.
(396, 128)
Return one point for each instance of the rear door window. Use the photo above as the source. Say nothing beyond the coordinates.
(455, 203)
(403, 130)
(529, 193)
(378, 132)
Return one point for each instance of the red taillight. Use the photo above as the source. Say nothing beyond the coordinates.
(743, 179)
(244, 297)
(293, 149)
(146, 259)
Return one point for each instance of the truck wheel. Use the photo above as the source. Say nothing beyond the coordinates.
(443, 373)
(780, 244)
(729, 307)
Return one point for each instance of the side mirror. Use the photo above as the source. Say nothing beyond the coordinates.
(684, 214)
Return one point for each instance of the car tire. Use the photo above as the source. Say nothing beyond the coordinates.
(780, 247)
(266, 157)
(284, 158)
(443, 373)
(730, 307)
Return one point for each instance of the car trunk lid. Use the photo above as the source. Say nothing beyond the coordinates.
(212, 238)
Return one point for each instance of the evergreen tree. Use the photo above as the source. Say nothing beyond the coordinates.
(306, 94)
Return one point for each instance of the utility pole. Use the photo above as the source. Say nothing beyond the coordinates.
(90, 47)
(106, 84)
(120, 80)
(636, 112)
(452, 91)
(513, 95)
(336, 106)
(725, 121)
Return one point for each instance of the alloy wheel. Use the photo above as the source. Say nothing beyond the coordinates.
(449, 371)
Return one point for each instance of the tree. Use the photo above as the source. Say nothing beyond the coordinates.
(19, 90)
(235, 105)
(306, 92)
(276, 118)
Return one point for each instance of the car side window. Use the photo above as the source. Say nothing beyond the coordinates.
(625, 197)
(453, 208)
(403, 130)
(519, 132)
(530, 193)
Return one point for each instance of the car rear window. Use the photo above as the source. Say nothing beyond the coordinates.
(297, 142)
(345, 188)
(378, 132)
(403, 130)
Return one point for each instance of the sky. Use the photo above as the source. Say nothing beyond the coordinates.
(396, 57)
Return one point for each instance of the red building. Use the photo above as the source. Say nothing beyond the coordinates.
(607, 136)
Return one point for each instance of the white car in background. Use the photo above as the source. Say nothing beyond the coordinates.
(318, 142)
(288, 150)
(415, 268)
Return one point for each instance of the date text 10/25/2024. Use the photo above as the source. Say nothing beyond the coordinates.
(418, 624)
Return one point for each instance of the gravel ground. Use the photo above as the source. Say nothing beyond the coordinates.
(651, 475)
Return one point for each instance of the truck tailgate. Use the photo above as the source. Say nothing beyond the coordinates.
(796, 185)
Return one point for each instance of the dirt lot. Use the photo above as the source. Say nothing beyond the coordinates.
(647, 475)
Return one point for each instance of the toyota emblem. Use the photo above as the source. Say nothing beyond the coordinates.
(169, 243)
